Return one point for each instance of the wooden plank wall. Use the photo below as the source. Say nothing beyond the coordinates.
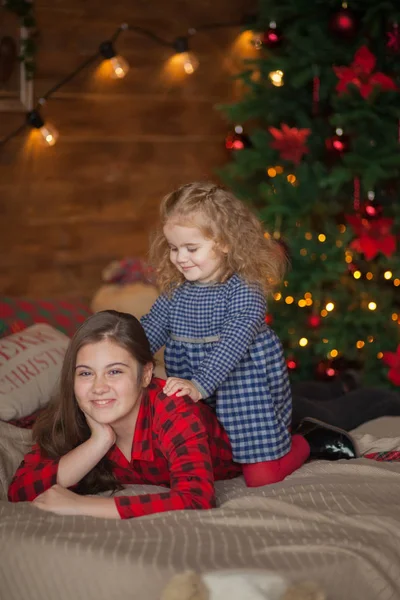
(68, 210)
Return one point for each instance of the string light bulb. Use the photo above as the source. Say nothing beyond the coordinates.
(48, 132)
(276, 78)
(187, 59)
(119, 65)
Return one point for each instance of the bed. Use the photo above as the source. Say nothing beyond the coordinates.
(337, 524)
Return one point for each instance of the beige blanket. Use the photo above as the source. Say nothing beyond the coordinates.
(335, 523)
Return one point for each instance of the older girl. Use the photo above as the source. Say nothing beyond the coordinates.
(112, 425)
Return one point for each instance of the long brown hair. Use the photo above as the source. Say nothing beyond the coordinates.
(63, 426)
(227, 221)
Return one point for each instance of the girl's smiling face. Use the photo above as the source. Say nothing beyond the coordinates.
(108, 382)
(194, 255)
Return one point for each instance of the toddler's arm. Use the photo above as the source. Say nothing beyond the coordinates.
(156, 323)
(245, 317)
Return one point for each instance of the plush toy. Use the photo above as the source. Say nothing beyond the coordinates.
(129, 287)
(134, 298)
(238, 585)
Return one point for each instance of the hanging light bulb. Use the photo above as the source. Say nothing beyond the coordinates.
(257, 39)
(48, 132)
(187, 59)
(119, 66)
(252, 35)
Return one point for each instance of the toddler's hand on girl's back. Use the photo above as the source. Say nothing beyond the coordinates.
(181, 387)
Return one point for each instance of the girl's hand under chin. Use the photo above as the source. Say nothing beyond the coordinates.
(101, 431)
(181, 387)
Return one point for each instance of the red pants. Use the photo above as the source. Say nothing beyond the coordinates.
(272, 471)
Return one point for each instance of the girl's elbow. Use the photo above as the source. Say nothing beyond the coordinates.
(204, 501)
(19, 492)
(209, 504)
(16, 494)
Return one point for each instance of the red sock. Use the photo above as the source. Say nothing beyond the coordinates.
(272, 471)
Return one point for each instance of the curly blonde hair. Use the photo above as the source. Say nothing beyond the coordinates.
(230, 224)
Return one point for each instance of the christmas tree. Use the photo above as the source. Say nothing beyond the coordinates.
(316, 151)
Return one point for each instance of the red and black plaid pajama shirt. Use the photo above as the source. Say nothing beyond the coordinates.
(177, 443)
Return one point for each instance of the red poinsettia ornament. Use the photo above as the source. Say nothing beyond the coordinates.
(393, 360)
(373, 236)
(290, 142)
(360, 73)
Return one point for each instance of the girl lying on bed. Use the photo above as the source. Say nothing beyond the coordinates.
(112, 425)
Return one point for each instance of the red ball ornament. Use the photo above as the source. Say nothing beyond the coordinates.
(344, 23)
(269, 319)
(237, 140)
(337, 144)
(291, 363)
(314, 321)
(372, 210)
(272, 38)
(325, 370)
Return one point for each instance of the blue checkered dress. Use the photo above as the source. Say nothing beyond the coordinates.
(216, 336)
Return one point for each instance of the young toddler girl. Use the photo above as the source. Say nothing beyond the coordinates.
(215, 268)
